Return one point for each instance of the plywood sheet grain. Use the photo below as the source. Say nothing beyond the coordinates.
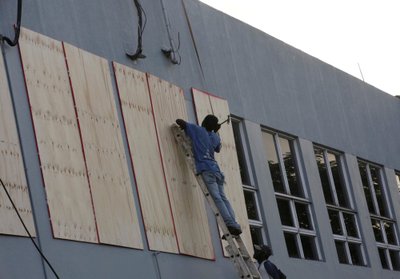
(187, 200)
(113, 201)
(57, 137)
(227, 158)
(12, 171)
(146, 160)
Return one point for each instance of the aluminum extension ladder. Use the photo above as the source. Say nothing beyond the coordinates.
(236, 248)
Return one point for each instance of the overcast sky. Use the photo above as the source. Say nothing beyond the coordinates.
(348, 34)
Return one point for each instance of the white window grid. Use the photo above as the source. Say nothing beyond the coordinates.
(398, 181)
(296, 229)
(252, 223)
(345, 237)
(384, 245)
(253, 190)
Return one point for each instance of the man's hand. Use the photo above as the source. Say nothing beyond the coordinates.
(181, 123)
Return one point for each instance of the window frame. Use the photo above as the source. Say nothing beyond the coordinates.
(305, 199)
(397, 177)
(257, 224)
(384, 244)
(341, 210)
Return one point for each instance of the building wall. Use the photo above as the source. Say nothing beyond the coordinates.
(265, 81)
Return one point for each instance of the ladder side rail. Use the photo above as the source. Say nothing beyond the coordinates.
(242, 247)
(239, 255)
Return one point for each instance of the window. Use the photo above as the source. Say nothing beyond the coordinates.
(238, 133)
(250, 192)
(398, 181)
(343, 218)
(382, 222)
(253, 213)
(291, 196)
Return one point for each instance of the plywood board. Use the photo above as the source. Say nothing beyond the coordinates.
(106, 161)
(187, 201)
(57, 137)
(227, 158)
(202, 105)
(12, 171)
(146, 160)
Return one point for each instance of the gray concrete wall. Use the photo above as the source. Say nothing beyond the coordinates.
(266, 82)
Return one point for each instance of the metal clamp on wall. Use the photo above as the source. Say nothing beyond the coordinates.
(14, 42)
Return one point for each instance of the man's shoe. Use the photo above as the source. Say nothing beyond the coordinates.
(234, 231)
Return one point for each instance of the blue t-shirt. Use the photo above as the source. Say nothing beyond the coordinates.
(204, 144)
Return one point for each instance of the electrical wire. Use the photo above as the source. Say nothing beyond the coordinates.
(27, 231)
(176, 51)
(171, 53)
(141, 26)
(14, 42)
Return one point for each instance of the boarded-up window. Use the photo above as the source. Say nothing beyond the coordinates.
(187, 200)
(227, 158)
(57, 137)
(107, 166)
(146, 160)
(11, 168)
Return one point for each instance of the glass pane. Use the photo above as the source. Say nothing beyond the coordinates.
(398, 181)
(273, 162)
(376, 226)
(338, 179)
(335, 222)
(251, 205)
(395, 258)
(240, 153)
(364, 177)
(256, 235)
(341, 252)
(382, 256)
(390, 233)
(285, 212)
(290, 166)
(303, 215)
(323, 174)
(309, 247)
(291, 244)
(375, 175)
(351, 225)
(356, 254)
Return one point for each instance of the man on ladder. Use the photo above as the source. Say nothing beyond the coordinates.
(206, 141)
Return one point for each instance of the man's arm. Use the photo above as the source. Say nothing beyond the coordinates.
(216, 142)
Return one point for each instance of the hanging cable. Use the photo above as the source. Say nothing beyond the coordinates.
(14, 42)
(173, 53)
(141, 26)
(26, 229)
(170, 52)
